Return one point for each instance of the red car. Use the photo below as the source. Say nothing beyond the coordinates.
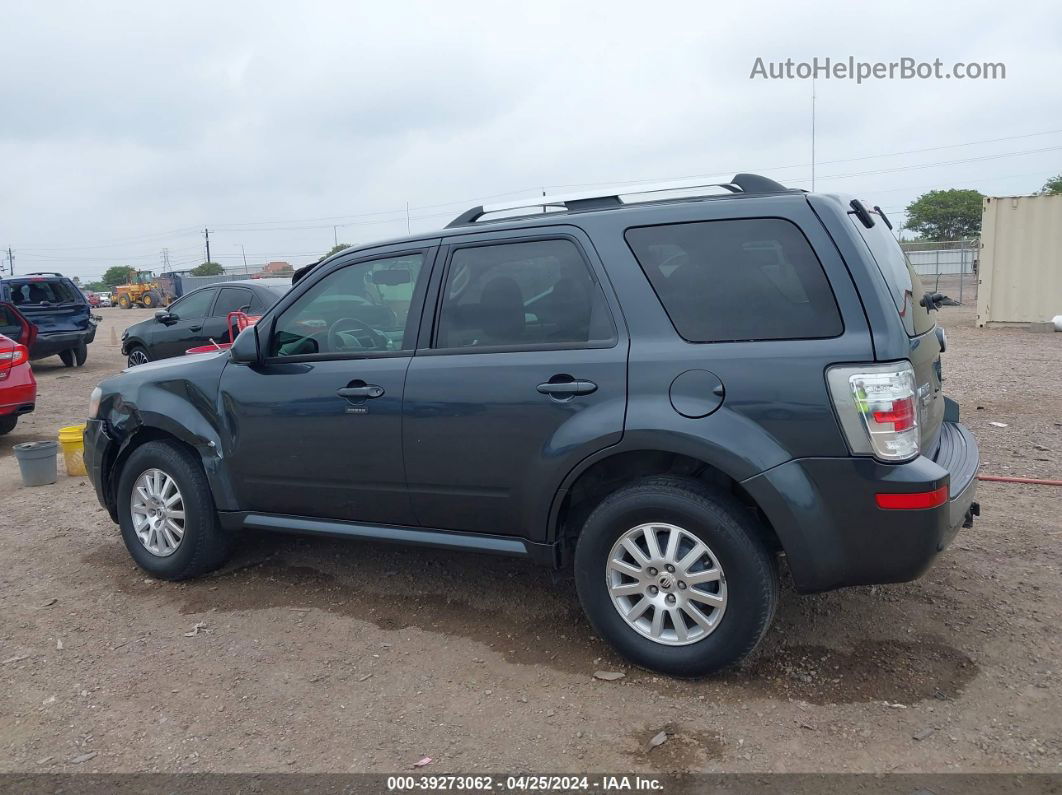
(18, 387)
(92, 298)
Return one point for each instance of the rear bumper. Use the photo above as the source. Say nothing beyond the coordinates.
(98, 444)
(18, 392)
(52, 344)
(826, 517)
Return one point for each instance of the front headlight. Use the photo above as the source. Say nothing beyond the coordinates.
(94, 403)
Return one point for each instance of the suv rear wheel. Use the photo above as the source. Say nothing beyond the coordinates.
(674, 574)
(81, 354)
(167, 515)
(68, 357)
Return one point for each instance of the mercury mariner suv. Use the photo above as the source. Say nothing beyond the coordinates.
(665, 391)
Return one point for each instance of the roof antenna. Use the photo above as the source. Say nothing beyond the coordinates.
(812, 134)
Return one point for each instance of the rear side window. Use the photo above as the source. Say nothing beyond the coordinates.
(231, 299)
(728, 281)
(34, 291)
(900, 275)
(522, 295)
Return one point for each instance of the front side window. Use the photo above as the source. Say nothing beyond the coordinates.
(195, 305)
(358, 309)
(729, 281)
(522, 294)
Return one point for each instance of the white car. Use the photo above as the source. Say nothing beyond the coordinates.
(105, 299)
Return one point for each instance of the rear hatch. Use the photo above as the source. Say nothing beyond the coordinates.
(52, 303)
(919, 323)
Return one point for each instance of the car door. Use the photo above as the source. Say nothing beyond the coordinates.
(523, 376)
(182, 327)
(317, 423)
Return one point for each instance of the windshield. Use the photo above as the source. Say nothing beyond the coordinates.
(900, 275)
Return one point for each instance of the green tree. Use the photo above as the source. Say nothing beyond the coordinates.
(336, 249)
(1053, 186)
(945, 214)
(207, 269)
(98, 286)
(118, 274)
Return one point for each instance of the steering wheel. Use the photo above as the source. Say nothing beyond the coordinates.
(369, 338)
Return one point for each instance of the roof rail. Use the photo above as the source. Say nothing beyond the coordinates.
(595, 200)
(41, 273)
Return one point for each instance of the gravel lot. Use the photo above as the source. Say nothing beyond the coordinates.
(314, 655)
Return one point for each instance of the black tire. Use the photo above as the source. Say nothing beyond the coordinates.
(8, 423)
(124, 302)
(80, 355)
(729, 530)
(151, 299)
(68, 357)
(134, 353)
(205, 545)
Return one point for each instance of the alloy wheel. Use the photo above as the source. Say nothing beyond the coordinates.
(157, 509)
(666, 584)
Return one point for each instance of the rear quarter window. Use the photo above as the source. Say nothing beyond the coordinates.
(900, 275)
(736, 280)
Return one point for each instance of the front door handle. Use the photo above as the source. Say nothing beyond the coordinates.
(366, 391)
(195, 328)
(567, 389)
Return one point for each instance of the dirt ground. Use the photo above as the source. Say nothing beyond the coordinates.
(316, 655)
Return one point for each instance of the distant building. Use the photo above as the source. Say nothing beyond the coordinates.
(278, 268)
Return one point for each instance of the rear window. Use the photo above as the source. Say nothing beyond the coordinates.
(900, 275)
(34, 291)
(727, 281)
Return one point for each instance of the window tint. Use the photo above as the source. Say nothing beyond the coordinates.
(231, 299)
(723, 281)
(260, 304)
(361, 308)
(58, 291)
(903, 281)
(194, 305)
(525, 294)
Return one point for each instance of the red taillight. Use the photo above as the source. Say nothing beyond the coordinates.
(913, 501)
(11, 358)
(901, 415)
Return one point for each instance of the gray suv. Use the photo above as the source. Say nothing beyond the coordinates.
(666, 391)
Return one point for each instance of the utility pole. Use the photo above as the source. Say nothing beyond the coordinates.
(165, 260)
(244, 252)
(206, 234)
(407, 219)
(10, 262)
(335, 236)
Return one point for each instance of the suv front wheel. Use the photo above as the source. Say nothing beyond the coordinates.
(167, 515)
(676, 576)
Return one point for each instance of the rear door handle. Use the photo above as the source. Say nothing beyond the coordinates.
(563, 389)
(367, 391)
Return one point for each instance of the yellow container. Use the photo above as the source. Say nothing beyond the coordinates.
(72, 440)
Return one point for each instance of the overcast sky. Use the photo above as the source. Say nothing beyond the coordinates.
(127, 128)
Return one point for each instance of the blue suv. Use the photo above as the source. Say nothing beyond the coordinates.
(59, 310)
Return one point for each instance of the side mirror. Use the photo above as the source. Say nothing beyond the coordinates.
(244, 348)
(163, 316)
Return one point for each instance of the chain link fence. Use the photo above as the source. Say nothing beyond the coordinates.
(946, 266)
